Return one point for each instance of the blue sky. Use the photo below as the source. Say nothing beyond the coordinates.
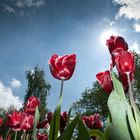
(32, 30)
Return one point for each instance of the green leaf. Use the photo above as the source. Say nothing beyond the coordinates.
(118, 86)
(35, 122)
(132, 123)
(118, 107)
(54, 127)
(96, 132)
(107, 129)
(83, 132)
(67, 134)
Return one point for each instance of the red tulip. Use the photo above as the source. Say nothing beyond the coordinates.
(63, 121)
(27, 122)
(98, 123)
(1, 138)
(1, 121)
(116, 44)
(105, 81)
(43, 124)
(88, 121)
(49, 117)
(42, 136)
(92, 122)
(14, 120)
(9, 137)
(125, 62)
(62, 67)
(31, 105)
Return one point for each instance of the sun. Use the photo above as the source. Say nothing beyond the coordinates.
(106, 35)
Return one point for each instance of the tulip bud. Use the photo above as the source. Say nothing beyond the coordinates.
(105, 81)
(126, 63)
(31, 105)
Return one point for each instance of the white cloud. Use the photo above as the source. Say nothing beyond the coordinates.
(21, 7)
(129, 8)
(15, 83)
(30, 3)
(135, 47)
(9, 9)
(137, 27)
(7, 98)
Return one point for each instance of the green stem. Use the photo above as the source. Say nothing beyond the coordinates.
(61, 89)
(133, 105)
(28, 137)
(130, 91)
(15, 135)
(23, 135)
(5, 138)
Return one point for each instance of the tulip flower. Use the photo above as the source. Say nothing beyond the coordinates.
(27, 122)
(43, 124)
(92, 122)
(14, 120)
(31, 105)
(62, 67)
(49, 117)
(63, 121)
(42, 136)
(116, 44)
(1, 121)
(1, 138)
(105, 81)
(125, 62)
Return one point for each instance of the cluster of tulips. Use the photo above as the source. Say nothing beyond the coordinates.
(124, 62)
(122, 124)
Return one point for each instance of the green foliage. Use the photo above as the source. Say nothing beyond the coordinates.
(125, 122)
(38, 87)
(93, 100)
(136, 82)
(54, 127)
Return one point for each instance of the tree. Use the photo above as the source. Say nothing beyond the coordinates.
(136, 82)
(94, 99)
(37, 86)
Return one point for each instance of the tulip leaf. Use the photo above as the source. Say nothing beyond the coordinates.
(96, 132)
(55, 122)
(35, 122)
(106, 130)
(118, 106)
(54, 127)
(132, 123)
(83, 132)
(67, 134)
(118, 86)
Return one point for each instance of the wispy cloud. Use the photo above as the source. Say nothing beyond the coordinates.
(29, 3)
(9, 9)
(20, 7)
(129, 9)
(7, 97)
(15, 83)
(135, 47)
(137, 27)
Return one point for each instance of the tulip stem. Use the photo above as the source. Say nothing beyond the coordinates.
(23, 135)
(15, 135)
(5, 138)
(61, 89)
(130, 91)
(133, 105)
